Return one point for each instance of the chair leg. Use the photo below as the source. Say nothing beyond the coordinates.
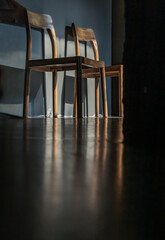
(103, 91)
(44, 93)
(64, 83)
(97, 97)
(26, 93)
(43, 74)
(75, 97)
(121, 106)
(55, 94)
(79, 88)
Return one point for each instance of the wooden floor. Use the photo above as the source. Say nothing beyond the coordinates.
(75, 179)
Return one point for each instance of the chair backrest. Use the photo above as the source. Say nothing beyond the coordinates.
(9, 4)
(85, 35)
(41, 22)
(13, 13)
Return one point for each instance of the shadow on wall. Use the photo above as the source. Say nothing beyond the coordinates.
(12, 89)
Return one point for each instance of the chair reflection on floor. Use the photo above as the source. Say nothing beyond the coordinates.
(104, 154)
(108, 153)
(79, 155)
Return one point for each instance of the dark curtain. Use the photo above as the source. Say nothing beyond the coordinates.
(144, 79)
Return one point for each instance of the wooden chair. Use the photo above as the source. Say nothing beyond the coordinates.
(87, 35)
(13, 13)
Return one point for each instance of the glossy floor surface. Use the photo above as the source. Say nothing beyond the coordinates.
(75, 179)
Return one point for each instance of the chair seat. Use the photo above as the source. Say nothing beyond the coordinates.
(110, 71)
(64, 64)
(76, 63)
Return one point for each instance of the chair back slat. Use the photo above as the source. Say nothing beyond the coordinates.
(12, 13)
(11, 17)
(4, 4)
(40, 21)
(9, 4)
(86, 35)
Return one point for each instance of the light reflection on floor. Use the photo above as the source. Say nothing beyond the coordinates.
(74, 177)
